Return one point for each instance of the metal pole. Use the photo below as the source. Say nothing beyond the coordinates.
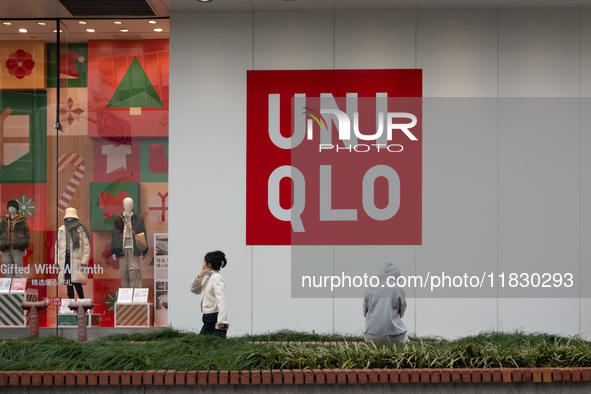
(57, 126)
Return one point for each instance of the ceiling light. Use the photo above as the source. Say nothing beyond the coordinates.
(83, 22)
(152, 22)
(41, 23)
(204, 1)
(117, 22)
(90, 30)
(22, 30)
(7, 23)
(124, 30)
(158, 29)
(55, 31)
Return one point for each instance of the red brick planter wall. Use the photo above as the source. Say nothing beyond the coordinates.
(313, 376)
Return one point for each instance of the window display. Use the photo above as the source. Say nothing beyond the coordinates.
(125, 247)
(77, 195)
(72, 252)
(14, 240)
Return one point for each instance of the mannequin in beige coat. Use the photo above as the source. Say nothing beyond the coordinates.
(72, 253)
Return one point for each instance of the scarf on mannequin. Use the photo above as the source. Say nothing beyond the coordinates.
(72, 225)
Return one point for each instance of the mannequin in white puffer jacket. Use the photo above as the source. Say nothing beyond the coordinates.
(72, 253)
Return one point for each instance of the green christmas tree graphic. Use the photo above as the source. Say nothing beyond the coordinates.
(135, 91)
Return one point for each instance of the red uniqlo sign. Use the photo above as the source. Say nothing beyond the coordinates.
(334, 157)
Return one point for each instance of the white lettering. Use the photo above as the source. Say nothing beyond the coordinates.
(389, 147)
(369, 192)
(362, 148)
(327, 213)
(328, 106)
(378, 133)
(402, 127)
(14, 270)
(299, 101)
(344, 125)
(293, 214)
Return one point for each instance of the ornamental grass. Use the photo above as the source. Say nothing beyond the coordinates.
(171, 349)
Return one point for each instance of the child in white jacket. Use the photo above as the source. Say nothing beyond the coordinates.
(210, 284)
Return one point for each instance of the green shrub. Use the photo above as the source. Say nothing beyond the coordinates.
(171, 349)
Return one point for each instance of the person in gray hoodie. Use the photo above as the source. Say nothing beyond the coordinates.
(383, 309)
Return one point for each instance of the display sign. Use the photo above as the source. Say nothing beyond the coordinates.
(161, 279)
(334, 157)
(18, 285)
(125, 295)
(64, 305)
(5, 285)
(140, 295)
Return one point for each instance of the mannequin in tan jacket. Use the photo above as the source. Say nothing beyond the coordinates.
(123, 246)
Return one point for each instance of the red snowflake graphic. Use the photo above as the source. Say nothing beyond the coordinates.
(20, 64)
(71, 112)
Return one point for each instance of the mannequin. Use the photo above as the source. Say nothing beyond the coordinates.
(14, 240)
(123, 245)
(72, 253)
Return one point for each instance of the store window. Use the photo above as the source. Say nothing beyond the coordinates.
(84, 169)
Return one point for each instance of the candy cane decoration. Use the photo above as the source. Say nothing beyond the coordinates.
(75, 160)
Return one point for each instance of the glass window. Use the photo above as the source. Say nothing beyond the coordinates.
(84, 169)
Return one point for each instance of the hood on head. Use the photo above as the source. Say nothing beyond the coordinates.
(389, 269)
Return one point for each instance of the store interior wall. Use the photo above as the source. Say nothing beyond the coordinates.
(493, 193)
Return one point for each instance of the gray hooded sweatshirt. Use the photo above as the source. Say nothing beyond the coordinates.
(383, 308)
